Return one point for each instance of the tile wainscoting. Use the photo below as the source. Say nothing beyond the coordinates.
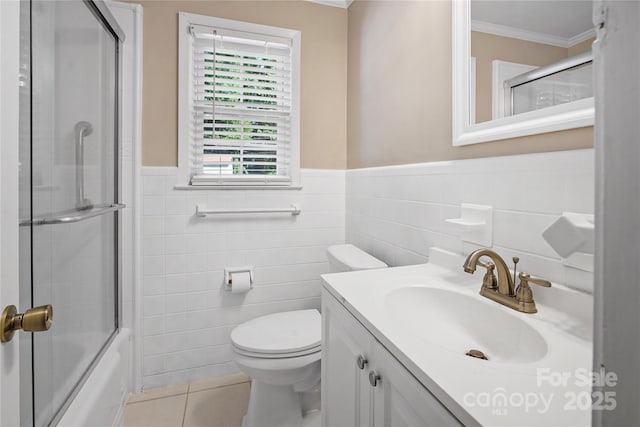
(187, 317)
(396, 213)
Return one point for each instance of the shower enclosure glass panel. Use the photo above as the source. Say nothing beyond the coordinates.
(569, 85)
(71, 180)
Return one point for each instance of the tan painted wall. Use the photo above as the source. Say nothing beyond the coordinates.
(399, 83)
(323, 74)
(581, 47)
(487, 47)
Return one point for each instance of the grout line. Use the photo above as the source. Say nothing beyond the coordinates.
(149, 399)
(188, 369)
(252, 249)
(219, 386)
(532, 254)
(219, 309)
(189, 390)
(186, 402)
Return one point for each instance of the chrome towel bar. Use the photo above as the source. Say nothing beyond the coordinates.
(202, 211)
(67, 217)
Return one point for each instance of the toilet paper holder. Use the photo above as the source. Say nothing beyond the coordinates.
(229, 272)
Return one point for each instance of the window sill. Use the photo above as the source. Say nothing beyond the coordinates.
(238, 187)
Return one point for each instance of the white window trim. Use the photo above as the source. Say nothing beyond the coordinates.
(184, 75)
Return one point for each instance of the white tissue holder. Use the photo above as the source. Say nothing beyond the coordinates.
(476, 224)
(228, 276)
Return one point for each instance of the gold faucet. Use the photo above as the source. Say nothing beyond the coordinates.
(520, 299)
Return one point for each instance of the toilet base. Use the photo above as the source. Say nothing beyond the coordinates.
(273, 406)
(312, 419)
(281, 406)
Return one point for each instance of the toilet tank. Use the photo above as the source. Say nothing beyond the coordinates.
(351, 258)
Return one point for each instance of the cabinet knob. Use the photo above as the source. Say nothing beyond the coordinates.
(373, 378)
(361, 362)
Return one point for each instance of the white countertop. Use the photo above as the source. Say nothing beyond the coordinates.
(466, 385)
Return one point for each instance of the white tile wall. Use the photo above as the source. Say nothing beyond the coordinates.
(187, 317)
(396, 213)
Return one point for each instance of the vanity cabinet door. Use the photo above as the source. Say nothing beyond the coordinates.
(401, 400)
(346, 394)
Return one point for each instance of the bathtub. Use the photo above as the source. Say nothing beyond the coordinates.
(100, 401)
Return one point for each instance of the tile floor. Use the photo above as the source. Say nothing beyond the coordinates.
(216, 402)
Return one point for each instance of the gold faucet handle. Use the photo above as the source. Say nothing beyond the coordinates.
(488, 265)
(524, 294)
(526, 278)
(489, 281)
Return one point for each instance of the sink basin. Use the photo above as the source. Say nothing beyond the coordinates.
(459, 323)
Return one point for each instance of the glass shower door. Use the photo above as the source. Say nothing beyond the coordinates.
(72, 181)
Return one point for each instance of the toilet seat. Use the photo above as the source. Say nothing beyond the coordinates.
(279, 335)
(277, 356)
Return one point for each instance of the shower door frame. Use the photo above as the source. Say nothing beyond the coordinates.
(25, 379)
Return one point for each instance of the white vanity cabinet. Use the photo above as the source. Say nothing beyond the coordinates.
(362, 382)
(347, 348)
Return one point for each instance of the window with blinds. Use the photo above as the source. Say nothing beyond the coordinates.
(241, 106)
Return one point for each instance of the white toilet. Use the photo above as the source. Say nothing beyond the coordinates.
(281, 353)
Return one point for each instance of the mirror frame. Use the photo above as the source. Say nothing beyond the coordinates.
(571, 115)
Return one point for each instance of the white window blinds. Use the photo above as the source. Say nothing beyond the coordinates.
(240, 107)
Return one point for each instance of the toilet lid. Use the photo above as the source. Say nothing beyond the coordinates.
(287, 332)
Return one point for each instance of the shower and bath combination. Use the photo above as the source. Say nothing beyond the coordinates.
(70, 198)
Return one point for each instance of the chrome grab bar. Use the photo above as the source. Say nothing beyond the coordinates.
(83, 214)
(81, 129)
(202, 211)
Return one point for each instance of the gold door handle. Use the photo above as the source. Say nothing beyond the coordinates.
(33, 320)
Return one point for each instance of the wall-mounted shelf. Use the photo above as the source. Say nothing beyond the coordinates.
(465, 223)
(475, 223)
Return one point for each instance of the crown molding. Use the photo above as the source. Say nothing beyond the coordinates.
(590, 33)
(531, 36)
(518, 33)
(343, 4)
